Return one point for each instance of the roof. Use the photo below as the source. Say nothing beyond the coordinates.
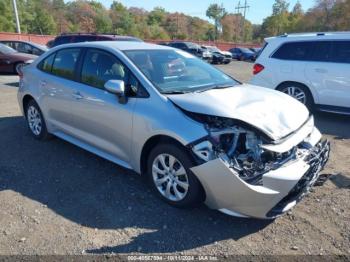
(311, 36)
(120, 45)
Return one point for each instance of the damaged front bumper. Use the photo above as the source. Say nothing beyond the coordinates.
(280, 190)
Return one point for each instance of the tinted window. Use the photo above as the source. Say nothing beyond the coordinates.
(321, 51)
(65, 62)
(341, 52)
(61, 40)
(100, 66)
(84, 38)
(46, 64)
(294, 51)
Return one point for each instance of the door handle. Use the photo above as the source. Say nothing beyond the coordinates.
(77, 95)
(321, 70)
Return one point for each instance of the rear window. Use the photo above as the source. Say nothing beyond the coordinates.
(46, 64)
(64, 62)
(300, 51)
(341, 52)
(61, 40)
(322, 51)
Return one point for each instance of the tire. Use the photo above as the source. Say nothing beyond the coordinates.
(16, 67)
(300, 91)
(190, 197)
(36, 121)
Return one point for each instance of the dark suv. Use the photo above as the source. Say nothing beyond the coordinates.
(189, 47)
(76, 38)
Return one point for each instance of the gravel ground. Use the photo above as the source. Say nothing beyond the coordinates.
(58, 199)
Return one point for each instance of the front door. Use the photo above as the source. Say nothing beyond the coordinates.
(99, 119)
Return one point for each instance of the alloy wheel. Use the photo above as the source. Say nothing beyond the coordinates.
(34, 120)
(170, 177)
(296, 93)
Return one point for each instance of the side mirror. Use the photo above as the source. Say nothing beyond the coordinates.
(116, 87)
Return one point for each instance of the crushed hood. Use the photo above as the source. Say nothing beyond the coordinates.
(274, 113)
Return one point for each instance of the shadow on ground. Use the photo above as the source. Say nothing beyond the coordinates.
(333, 124)
(96, 193)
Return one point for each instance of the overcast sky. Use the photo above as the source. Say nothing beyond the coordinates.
(259, 9)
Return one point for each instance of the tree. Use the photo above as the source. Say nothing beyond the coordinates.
(7, 23)
(156, 16)
(216, 12)
(280, 7)
(123, 22)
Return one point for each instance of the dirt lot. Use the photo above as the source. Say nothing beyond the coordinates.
(58, 199)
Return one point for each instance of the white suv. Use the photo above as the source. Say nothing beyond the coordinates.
(314, 68)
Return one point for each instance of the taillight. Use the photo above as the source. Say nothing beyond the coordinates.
(258, 68)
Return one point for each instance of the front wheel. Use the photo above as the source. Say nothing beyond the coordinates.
(169, 173)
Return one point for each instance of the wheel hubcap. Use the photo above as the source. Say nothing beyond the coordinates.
(34, 120)
(170, 177)
(296, 92)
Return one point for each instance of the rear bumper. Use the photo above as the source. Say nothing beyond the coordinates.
(281, 189)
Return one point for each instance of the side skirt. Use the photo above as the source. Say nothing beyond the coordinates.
(92, 149)
(334, 109)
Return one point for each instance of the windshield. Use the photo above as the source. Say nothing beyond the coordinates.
(246, 50)
(6, 49)
(213, 49)
(175, 71)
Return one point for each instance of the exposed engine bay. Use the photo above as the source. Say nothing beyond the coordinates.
(241, 148)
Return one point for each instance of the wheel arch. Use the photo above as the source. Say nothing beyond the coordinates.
(312, 93)
(151, 143)
(25, 102)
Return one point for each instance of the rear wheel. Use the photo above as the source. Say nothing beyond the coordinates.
(35, 121)
(299, 92)
(169, 173)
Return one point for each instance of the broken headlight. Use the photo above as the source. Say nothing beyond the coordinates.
(240, 149)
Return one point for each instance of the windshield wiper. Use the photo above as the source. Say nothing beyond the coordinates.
(175, 92)
(214, 87)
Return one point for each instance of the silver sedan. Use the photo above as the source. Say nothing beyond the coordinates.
(196, 133)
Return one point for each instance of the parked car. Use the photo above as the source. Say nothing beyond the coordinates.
(189, 47)
(196, 133)
(218, 55)
(242, 54)
(86, 37)
(313, 68)
(49, 44)
(25, 47)
(256, 50)
(11, 60)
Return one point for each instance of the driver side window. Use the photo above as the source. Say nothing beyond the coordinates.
(100, 66)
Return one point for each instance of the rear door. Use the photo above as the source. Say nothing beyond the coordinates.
(328, 72)
(290, 60)
(56, 83)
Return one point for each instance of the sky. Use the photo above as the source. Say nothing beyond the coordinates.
(259, 9)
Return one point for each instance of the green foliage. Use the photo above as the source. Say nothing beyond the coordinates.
(7, 22)
(58, 16)
(217, 13)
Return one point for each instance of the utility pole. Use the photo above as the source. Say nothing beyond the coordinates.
(244, 7)
(18, 27)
